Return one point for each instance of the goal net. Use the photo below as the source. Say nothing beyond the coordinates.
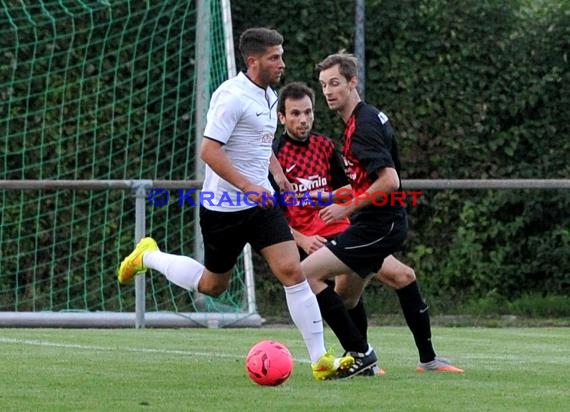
(101, 90)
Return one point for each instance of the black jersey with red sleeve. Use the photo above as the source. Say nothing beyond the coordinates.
(370, 145)
(310, 165)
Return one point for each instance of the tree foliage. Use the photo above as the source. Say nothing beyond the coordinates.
(475, 89)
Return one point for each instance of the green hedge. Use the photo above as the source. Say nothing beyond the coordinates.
(475, 89)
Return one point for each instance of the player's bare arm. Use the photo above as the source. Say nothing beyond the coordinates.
(211, 153)
(340, 195)
(277, 172)
(386, 182)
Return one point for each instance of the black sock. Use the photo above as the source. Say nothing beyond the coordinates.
(358, 316)
(417, 317)
(338, 319)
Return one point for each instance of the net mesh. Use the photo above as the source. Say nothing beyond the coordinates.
(97, 90)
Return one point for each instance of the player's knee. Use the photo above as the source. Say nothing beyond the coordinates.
(291, 276)
(213, 289)
(217, 291)
(405, 277)
(349, 302)
(410, 274)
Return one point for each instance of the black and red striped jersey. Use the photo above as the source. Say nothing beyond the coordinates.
(370, 145)
(311, 165)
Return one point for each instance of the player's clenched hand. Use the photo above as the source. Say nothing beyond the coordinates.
(259, 195)
(320, 196)
(283, 184)
(333, 213)
(313, 243)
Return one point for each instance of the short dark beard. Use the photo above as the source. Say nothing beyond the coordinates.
(297, 138)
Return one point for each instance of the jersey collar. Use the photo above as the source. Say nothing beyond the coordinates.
(267, 94)
(297, 142)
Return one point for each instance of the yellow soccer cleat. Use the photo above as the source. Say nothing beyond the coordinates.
(133, 264)
(327, 367)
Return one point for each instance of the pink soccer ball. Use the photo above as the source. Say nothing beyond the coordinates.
(269, 363)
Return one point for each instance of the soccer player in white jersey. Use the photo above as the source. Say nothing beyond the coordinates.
(241, 124)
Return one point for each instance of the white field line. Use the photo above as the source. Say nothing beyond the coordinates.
(34, 342)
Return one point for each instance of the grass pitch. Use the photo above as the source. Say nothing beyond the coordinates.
(511, 369)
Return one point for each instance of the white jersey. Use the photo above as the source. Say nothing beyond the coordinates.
(243, 117)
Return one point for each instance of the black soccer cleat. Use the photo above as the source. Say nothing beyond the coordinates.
(363, 364)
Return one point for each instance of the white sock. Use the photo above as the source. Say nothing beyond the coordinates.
(304, 310)
(180, 270)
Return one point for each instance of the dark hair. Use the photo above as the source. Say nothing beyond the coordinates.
(295, 91)
(347, 64)
(255, 41)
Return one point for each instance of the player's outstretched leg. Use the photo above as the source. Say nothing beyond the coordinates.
(133, 263)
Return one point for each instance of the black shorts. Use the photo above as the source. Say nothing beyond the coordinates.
(365, 244)
(226, 233)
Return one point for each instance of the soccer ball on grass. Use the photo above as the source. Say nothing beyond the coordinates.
(269, 363)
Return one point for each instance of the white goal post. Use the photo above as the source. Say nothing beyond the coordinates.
(148, 72)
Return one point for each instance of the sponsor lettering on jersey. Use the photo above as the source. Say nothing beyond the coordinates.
(312, 183)
(383, 118)
(348, 169)
(266, 137)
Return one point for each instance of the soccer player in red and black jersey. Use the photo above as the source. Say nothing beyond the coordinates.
(372, 166)
(311, 164)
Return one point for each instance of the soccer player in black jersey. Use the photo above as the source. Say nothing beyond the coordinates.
(372, 166)
(311, 163)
